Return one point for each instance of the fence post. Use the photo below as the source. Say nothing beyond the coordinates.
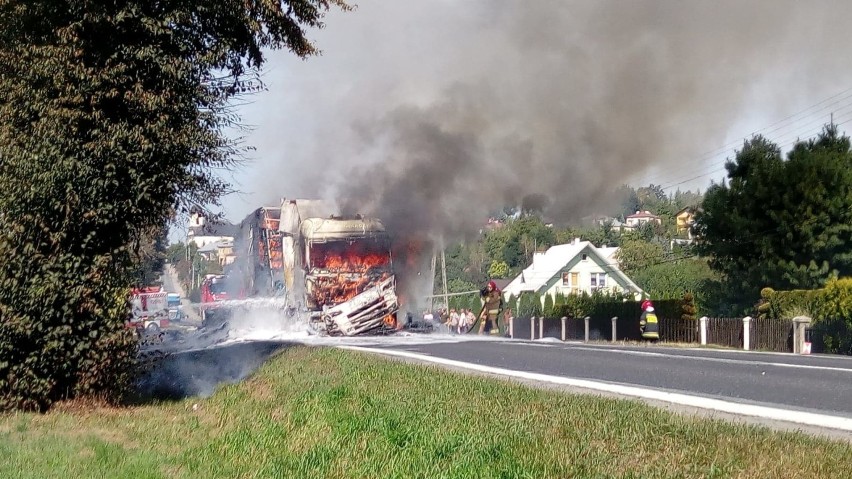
(532, 327)
(564, 319)
(747, 333)
(512, 327)
(540, 327)
(703, 324)
(586, 320)
(614, 336)
(799, 325)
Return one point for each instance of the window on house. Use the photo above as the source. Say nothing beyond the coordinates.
(598, 281)
(585, 256)
(571, 282)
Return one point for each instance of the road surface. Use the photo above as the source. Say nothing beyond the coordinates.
(172, 285)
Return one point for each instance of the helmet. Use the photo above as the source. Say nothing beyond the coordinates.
(646, 304)
(493, 285)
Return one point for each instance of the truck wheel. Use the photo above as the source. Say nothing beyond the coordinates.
(152, 329)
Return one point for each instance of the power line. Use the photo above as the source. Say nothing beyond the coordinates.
(838, 98)
(809, 131)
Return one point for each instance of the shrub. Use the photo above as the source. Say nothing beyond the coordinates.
(829, 307)
(548, 310)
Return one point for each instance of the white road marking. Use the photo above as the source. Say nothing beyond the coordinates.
(730, 407)
(716, 360)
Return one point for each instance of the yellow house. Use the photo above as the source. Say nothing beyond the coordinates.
(685, 218)
(225, 252)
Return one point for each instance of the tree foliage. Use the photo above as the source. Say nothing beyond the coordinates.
(784, 224)
(674, 279)
(635, 254)
(498, 269)
(112, 118)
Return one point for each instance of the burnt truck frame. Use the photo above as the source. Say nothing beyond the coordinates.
(309, 234)
(260, 253)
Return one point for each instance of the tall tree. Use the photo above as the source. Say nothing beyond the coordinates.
(112, 117)
(636, 254)
(628, 201)
(784, 224)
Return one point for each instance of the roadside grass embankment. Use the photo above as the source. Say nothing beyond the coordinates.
(317, 413)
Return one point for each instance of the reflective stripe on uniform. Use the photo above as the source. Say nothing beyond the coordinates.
(493, 311)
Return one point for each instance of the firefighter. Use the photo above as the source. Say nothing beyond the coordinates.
(492, 302)
(648, 323)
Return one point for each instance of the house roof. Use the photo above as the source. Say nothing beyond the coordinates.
(211, 247)
(643, 214)
(549, 264)
(214, 229)
(688, 209)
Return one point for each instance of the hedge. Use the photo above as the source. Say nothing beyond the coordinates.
(829, 307)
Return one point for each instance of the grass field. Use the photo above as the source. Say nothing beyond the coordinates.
(317, 413)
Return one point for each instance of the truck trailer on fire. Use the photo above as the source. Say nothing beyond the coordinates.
(335, 271)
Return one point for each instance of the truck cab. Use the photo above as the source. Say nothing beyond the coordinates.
(175, 309)
(346, 267)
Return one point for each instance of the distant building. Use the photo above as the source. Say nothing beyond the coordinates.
(640, 218)
(202, 232)
(494, 223)
(225, 252)
(602, 220)
(685, 219)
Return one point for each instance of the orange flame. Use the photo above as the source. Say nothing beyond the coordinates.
(348, 273)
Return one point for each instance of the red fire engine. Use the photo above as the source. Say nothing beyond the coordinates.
(149, 309)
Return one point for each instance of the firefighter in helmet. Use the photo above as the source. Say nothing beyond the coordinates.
(649, 325)
(492, 301)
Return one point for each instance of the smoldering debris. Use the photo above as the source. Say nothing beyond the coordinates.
(181, 374)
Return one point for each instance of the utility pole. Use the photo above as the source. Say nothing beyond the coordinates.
(444, 276)
(432, 280)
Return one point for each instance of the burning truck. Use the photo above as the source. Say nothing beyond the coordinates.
(336, 272)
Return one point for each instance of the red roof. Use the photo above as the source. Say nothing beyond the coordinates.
(643, 214)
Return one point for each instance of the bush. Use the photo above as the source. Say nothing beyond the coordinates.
(548, 310)
(833, 336)
(688, 310)
(66, 337)
(829, 307)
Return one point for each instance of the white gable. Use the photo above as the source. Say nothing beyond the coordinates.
(546, 266)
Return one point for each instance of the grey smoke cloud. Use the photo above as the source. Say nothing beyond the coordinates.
(432, 114)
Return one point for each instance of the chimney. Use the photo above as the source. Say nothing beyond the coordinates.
(576, 241)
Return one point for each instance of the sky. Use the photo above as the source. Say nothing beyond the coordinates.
(431, 113)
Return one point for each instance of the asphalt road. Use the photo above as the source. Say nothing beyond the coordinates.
(171, 284)
(814, 384)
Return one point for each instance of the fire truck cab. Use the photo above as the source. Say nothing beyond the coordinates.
(214, 291)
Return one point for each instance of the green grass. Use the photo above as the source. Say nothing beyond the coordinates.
(318, 413)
